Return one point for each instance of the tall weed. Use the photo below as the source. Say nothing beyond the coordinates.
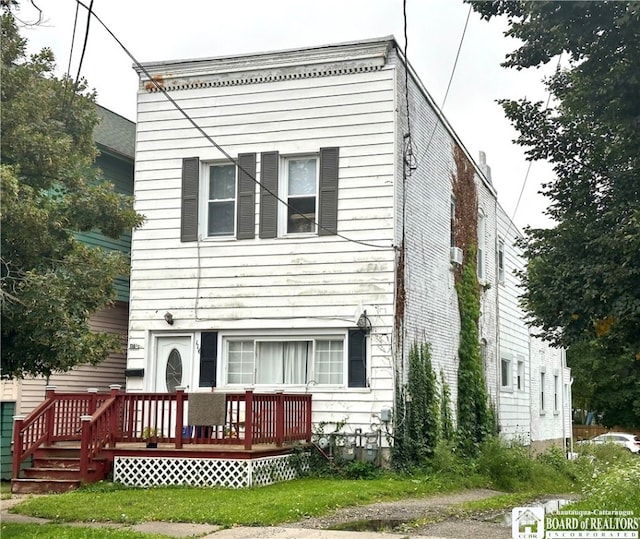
(510, 467)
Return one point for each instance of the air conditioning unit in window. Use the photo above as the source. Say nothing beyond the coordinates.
(456, 255)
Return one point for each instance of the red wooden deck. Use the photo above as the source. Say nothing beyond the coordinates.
(104, 425)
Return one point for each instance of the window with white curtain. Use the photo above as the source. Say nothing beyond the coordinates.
(285, 362)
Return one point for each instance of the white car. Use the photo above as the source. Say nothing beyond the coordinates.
(629, 441)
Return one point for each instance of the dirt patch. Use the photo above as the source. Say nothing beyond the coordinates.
(417, 516)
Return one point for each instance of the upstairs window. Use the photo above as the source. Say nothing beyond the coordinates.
(301, 182)
(481, 246)
(520, 383)
(221, 200)
(500, 260)
(505, 373)
(452, 222)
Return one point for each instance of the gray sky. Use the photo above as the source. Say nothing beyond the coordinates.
(162, 30)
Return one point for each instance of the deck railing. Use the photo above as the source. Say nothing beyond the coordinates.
(103, 420)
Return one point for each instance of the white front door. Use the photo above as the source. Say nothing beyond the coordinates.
(173, 363)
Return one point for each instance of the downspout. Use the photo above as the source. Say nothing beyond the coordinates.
(497, 328)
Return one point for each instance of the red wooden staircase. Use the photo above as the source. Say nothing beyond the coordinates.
(54, 468)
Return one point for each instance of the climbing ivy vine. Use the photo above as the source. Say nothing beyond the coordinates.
(475, 418)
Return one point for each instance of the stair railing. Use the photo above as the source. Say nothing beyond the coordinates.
(57, 418)
(99, 431)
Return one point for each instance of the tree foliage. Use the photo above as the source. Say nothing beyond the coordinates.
(582, 277)
(51, 282)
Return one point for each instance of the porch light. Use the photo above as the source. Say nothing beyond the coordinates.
(168, 318)
(363, 322)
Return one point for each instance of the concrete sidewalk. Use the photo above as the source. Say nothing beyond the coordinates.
(209, 531)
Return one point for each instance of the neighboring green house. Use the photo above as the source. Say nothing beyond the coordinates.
(115, 139)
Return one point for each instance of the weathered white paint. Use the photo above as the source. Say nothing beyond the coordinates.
(521, 416)
(296, 102)
(514, 403)
(285, 284)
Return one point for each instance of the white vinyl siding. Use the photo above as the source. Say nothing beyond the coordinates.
(82, 377)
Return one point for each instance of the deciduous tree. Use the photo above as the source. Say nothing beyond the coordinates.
(51, 282)
(582, 278)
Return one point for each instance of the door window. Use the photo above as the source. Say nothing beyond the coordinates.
(173, 374)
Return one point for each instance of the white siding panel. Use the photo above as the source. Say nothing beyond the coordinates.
(282, 283)
(82, 377)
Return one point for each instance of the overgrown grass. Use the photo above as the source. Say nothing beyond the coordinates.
(11, 530)
(609, 480)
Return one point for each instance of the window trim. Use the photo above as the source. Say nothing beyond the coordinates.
(501, 260)
(481, 255)
(520, 380)
(283, 209)
(541, 391)
(206, 200)
(506, 385)
(288, 336)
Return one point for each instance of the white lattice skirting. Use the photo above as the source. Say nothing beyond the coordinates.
(197, 472)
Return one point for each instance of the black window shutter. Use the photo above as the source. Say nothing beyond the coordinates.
(189, 206)
(246, 196)
(269, 165)
(208, 359)
(357, 350)
(328, 214)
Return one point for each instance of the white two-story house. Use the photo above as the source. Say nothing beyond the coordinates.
(299, 230)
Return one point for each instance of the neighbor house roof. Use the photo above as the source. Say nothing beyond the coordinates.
(115, 133)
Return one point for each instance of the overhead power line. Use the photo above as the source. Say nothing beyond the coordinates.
(161, 89)
(453, 71)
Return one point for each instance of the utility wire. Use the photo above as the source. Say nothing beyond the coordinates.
(68, 76)
(409, 160)
(455, 63)
(84, 44)
(73, 39)
(84, 49)
(453, 71)
(526, 176)
(161, 89)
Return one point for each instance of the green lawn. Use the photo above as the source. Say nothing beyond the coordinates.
(11, 530)
(607, 478)
(264, 506)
